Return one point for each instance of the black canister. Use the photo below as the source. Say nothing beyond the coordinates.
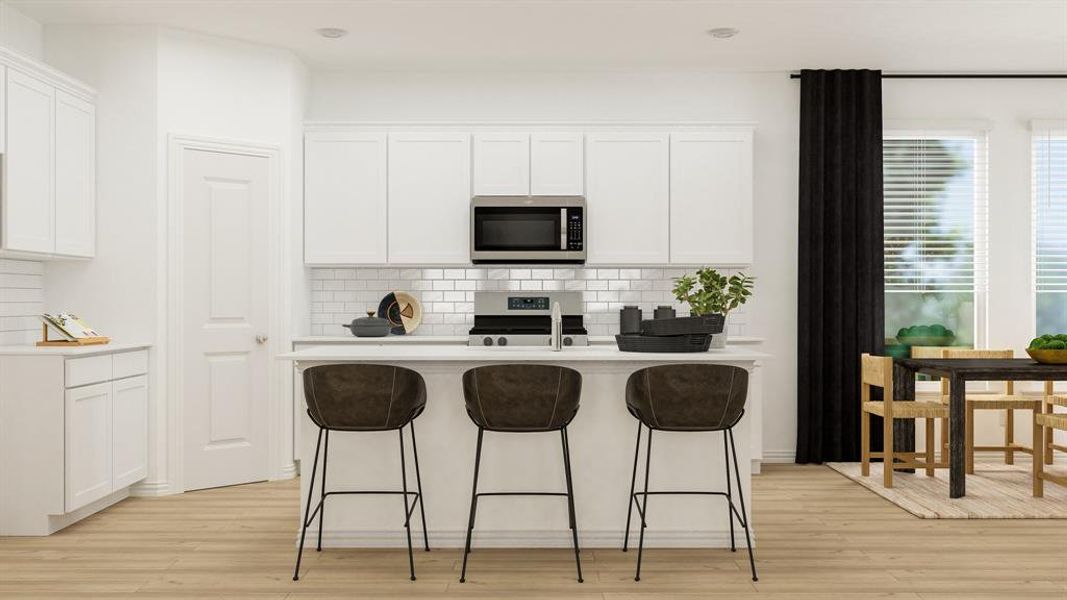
(630, 320)
(663, 312)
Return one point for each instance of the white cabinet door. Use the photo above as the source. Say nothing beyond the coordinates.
(129, 444)
(557, 166)
(501, 164)
(88, 444)
(628, 198)
(75, 171)
(711, 198)
(345, 204)
(429, 198)
(28, 224)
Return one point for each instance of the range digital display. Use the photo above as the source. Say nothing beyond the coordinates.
(528, 303)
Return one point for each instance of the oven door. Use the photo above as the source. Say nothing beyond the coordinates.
(523, 230)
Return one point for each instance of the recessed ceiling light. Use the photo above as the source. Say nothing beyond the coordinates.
(332, 32)
(723, 33)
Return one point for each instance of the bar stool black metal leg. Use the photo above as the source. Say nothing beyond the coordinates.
(567, 468)
(729, 491)
(307, 509)
(474, 505)
(570, 501)
(418, 482)
(633, 483)
(744, 512)
(407, 512)
(322, 506)
(643, 508)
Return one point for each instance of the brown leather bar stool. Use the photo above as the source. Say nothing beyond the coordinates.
(522, 398)
(360, 397)
(692, 398)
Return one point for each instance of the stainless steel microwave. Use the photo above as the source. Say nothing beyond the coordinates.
(528, 229)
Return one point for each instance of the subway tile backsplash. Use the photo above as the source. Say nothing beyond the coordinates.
(447, 295)
(21, 301)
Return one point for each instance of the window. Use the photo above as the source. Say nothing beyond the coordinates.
(935, 233)
(1049, 185)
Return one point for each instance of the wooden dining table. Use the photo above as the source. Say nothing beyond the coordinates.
(959, 371)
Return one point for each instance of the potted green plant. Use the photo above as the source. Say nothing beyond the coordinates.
(711, 292)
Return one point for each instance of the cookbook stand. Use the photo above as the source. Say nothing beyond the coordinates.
(88, 341)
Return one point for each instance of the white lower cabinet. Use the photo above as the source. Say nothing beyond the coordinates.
(73, 435)
(88, 447)
(106, 438)
(129, 429)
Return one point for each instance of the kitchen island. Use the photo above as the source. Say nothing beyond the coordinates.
(602, 440)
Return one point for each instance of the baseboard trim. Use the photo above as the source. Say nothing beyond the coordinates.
(779, 456)
(523, 539)
(287, 471)
(151, 488)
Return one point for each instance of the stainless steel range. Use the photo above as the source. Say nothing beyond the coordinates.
(525, 319)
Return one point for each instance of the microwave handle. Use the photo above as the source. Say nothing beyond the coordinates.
(563, 229)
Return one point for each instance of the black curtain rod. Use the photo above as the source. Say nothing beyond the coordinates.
(964, 75)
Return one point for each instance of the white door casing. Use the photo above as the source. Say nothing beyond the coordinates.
(225, 361)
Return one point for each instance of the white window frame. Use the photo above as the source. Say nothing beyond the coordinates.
(966, 131)
(1038, 129)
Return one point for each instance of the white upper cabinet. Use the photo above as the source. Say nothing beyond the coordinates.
(711, 198)
(345, 202)
(28, 224)
(429, 198)
(557, 164)
(628, 197)
(501, 164)
(75, 176)
(48, 139)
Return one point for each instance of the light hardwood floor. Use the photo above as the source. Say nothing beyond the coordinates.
(821, 537)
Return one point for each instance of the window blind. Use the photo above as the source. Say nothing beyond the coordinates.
(935, 212)
(1049, 194)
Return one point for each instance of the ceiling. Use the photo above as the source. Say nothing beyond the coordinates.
(901, 35)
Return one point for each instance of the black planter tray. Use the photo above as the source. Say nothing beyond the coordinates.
(664, 343)
(703, 325)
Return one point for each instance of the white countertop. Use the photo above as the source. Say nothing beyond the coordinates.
(460, 353)
(73, 351)
(453, 339)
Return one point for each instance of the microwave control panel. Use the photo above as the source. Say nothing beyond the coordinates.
(575, 226)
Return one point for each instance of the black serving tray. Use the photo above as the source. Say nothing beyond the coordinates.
(702, 325)
(699, 342)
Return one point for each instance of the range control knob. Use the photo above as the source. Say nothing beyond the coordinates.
(503, 341)
(568, 341)
(487, 341)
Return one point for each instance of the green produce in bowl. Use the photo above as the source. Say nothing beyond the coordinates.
(1049, 341)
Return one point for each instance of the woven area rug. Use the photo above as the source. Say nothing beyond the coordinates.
(995, 491)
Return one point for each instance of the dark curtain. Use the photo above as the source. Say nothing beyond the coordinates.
(840, 290)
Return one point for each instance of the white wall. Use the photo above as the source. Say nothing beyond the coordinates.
(20, 33)
(771, 99)
(154, 82)
(1007, 107)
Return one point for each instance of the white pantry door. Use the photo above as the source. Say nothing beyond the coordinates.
(225, 358)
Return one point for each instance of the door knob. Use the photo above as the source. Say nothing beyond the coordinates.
(261, 339)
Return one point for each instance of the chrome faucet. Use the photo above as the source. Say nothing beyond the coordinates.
(557, 328)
